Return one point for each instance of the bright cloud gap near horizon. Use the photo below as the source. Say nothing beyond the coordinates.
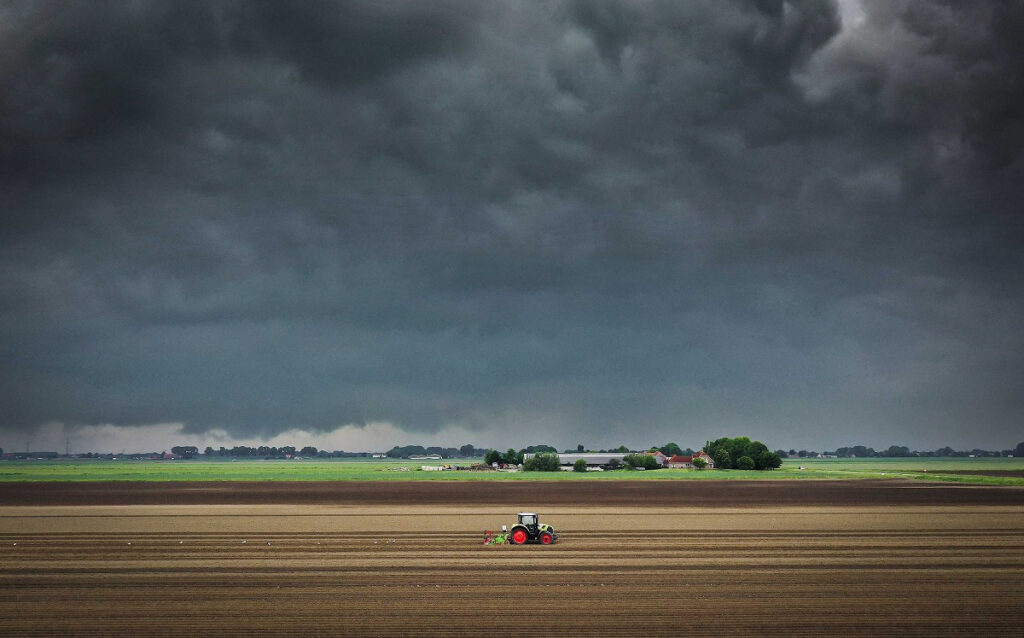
(509, 224)
(161, 437)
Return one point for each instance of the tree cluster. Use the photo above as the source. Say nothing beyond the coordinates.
(514, 457)
(673, 449)
(901, 451)
(543, 462)
(535, 449)
(742, 454)
(405, 451)
(622, 449)
(641, 460)
(804, 454)
(509, 457)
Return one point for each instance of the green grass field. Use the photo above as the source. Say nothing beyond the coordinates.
(927, 469)
(931, 469)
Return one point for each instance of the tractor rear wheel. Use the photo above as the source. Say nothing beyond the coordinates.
(518, 536)
(546, 538)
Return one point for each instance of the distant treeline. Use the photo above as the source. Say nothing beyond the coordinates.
(669, 449)
(467, 451)
(901, 451)
(471, 451)
(288, 451)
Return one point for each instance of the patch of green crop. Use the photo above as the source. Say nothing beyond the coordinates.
(909, 464)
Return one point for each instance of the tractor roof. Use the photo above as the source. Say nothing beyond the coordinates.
(527, 514)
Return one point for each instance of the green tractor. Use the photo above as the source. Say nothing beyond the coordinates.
(529, 529)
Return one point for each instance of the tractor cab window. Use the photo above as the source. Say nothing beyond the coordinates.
(529, 520)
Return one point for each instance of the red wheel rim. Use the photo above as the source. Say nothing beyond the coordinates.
(546, 539)
(519, 537)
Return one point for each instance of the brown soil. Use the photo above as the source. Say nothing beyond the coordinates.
(420, 571)
(705, 493)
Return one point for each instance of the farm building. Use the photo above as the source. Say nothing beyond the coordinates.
(677, 462)
(682, 462)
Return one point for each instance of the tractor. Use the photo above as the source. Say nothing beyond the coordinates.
(529, 529)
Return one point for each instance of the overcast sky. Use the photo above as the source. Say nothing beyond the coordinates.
(363, 224)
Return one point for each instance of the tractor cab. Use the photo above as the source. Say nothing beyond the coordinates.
(529, 529)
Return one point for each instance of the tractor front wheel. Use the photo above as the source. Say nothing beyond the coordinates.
(518, 536)
(546, 538)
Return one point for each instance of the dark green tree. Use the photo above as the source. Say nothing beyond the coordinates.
(580, 465)
(745, 463)
(645, 461)
(543, 462)
(492, 456)
(467, 450)
(671, 449)
(534, 449)
(858, 451)
(897, 451)
(721, 458)
(405, 451)
(700, 463)
(768, 461)
(726, 453)
(754, 449)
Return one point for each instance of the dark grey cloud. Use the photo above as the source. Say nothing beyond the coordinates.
(604, 221)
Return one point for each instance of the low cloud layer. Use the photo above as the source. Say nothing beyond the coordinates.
(560, 222)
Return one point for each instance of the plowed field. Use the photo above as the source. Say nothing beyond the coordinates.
(413, 569)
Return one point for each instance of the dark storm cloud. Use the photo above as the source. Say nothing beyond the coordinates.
(621, 221)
